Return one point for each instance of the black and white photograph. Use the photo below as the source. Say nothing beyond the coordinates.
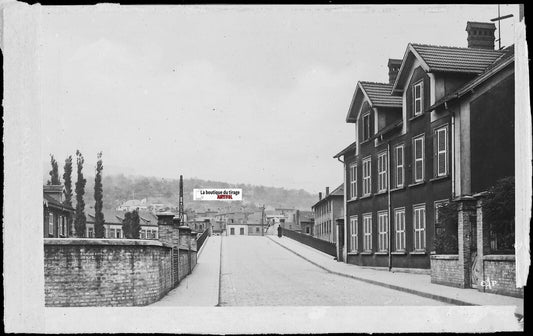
(249, 169)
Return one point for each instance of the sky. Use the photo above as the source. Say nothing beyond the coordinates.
(239, 94)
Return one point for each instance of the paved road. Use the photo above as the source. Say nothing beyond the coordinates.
(258, 272)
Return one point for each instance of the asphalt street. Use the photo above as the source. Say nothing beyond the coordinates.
(258, 272)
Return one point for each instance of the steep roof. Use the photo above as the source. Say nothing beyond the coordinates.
(337, 192)
(49, 201)
(501, 63)
(454, 59)
(379, 94)
(346, 150)
(112, 216)
(445, 59)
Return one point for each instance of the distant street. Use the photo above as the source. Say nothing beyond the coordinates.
(258, 272)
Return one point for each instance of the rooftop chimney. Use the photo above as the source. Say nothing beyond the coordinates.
(480, 35)
(327, 191)
(319, 196)
(394, 68)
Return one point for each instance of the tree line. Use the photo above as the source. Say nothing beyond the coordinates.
(131, 223)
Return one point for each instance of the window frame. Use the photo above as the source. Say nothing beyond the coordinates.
(367, 179)
(399, 167)
(51, 223)
(439, 151)
(354, 221)
(419, 84)
(420, 231)
(383, 231)
(353, 181)
(420, 160)
(399, 230)
(367, 232)
(382, 162)
(366, 126)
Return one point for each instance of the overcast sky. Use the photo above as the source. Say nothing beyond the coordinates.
(241, 94)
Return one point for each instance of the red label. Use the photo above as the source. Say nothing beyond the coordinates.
(224, 197)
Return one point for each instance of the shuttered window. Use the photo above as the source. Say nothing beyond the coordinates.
(367, 228)
(418, 156)
(440, 148)
(419, 222)
(353, 232)
(383, 231)
(399, 166)
(418, 100)
(399, 227)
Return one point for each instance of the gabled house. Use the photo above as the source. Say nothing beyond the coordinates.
(113, 224)
(326, 212)
(57, 217)
(418, 140)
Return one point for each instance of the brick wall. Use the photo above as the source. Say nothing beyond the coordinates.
(446, 270)
(105, 272)
(500, 275)
(319, 244)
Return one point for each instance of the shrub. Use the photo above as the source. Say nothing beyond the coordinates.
(446, 240)
(499, 214)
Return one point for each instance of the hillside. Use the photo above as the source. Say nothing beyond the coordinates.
(119, 188)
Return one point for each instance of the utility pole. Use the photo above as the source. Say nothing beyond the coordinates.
(499, 18)
(180, 204)
(262, 220)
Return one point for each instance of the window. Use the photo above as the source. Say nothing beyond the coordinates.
(382, 172)
(399, 223)
(63, 226)
(143, 234)
(366, 127)
(418, 155)
(353, 181)
(90, 232)
(383, 231)
(353, 232)
(367, 177)
(367, 229)
(441, 151)
(51, 223)
(112, 233)
(307, 229)
(232, 231)
(419, 220)
(241, 231)
(438, 204)
(119, 233)
(399, 166)
(256, 229)
(418, 101)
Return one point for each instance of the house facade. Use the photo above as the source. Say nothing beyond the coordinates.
(113, 224)
(57, 217)
(326, 212)
(430, 135)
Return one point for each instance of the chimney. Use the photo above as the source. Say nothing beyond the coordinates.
(327, 191)
(394, 68)
(480, 35)
(319, 196)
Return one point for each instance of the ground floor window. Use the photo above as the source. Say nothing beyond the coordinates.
(367, 231)
(419, 223)
(232, 231)
(51, 223)
(353, 234)
(90, 232)
(241, 231)
(399, 226)
(383, 231)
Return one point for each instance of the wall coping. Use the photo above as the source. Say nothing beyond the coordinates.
(103, 242)
(444, 256)
(501, 257)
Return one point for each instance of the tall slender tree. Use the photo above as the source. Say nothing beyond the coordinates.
(99, 220)
(54, 173)
(80, 220)
(67, 180)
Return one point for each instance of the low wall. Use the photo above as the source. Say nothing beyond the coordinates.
(186, 257)
(321, 245)
(445, 270)
(500, 275)
(105, 272)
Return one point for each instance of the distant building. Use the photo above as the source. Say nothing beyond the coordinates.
(327, 210)
(306, 221)
(133, 205)
(57, 217)
(113, 224)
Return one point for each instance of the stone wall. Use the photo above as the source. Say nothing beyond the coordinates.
(105, 272)
(500, 275)
(446, 270)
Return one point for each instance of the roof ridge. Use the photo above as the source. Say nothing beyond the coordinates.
(369, 82)
(452, 47)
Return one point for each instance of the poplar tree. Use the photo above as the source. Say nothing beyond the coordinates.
(67, 180)
(80, 221)
(54, 173)
(99, 230)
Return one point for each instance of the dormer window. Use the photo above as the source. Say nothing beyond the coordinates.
(366, 127)
(418, 100)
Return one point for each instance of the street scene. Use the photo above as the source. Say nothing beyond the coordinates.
(206, 169)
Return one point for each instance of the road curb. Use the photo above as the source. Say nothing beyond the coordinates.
(220, 275)
(383, 284)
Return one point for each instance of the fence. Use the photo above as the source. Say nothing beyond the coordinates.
(200, 240)
(319, 244)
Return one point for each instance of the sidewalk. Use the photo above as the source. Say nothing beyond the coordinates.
(200, 288)
(418, 284)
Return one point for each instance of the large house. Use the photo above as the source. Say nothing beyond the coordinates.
(57, 216)
(327, 210)
(113, 224)
(442, 128)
